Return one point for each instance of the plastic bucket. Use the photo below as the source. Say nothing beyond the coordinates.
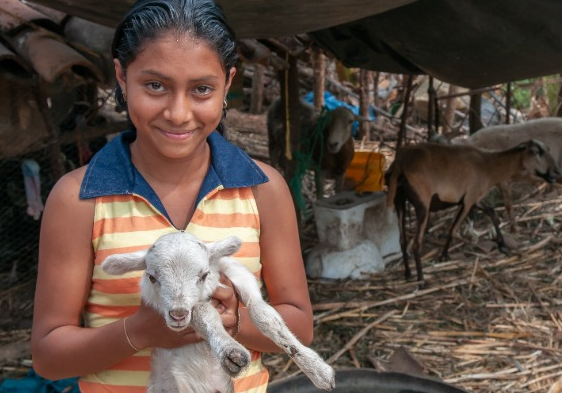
(366, 171)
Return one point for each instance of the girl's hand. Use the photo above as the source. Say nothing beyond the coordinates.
(225, 300)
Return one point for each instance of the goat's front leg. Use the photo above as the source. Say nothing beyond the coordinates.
(234, 358)
(272, 325)
(422, 217)
(490, 212)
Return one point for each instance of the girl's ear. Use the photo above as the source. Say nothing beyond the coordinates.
(119, 74)
(232, 72)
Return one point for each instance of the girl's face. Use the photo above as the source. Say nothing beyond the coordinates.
(175, 90)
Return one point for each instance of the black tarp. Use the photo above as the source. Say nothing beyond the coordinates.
(470, 43)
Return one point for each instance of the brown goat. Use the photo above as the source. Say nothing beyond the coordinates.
(434, 177)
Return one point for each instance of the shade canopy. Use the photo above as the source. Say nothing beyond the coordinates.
(470, 43)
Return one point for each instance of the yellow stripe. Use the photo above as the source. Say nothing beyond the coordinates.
(132, 208)
(208, 234)
(120, 377)
(221, 206)
(131, 239)
(130, 299)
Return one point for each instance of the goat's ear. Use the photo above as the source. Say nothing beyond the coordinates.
(124, 263)
(537, 148)
(225, 247)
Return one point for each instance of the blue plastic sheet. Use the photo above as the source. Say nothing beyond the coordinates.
(33, 383)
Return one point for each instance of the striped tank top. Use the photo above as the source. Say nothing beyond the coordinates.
(132, 220)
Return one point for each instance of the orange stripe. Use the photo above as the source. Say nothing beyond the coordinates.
(248, 250)
(223, 220)
(90, 387)
(102, 254)
(233, 193)
(129, 224)
(251, 382)
(113, 312)
(117, 285)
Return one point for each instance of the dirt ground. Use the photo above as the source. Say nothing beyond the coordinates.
(484, 321)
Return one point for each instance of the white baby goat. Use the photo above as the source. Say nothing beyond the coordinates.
(182, 273)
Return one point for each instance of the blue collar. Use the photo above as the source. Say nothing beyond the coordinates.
(111, 171)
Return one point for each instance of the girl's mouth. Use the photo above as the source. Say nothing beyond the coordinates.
(177, 135)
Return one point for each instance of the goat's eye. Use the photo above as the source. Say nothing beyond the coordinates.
(151, 278)
(203, 276)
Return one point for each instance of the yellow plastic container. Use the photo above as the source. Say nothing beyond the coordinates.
(366, 171)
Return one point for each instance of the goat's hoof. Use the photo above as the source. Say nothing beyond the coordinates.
(504, 250)
(235, 360)
(320, 373)
(324, 377)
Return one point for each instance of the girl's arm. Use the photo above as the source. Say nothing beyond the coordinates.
(282, 265)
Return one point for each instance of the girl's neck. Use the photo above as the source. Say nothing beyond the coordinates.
(173, 172)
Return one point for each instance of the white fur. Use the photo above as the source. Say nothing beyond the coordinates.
(186, 273)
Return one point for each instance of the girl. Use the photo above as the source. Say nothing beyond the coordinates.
(171, 171)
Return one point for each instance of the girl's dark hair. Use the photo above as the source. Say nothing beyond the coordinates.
(150, 19)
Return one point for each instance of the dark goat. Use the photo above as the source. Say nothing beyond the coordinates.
(332, 157)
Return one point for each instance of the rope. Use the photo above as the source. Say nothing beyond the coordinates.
(304, 156)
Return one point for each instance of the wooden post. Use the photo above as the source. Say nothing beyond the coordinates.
(289, 82)
(430, 108)
(474, 113)
(450, 108)
(319, 81)
(376, 79)
(256, 100)
(508, 104)
(365, 79)
(404, 118)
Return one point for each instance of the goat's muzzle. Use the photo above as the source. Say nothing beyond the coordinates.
(178, 318)
(550, 176)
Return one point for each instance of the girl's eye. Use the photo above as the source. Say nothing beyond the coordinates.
(155, 86)
(203, 90)
(151, 278)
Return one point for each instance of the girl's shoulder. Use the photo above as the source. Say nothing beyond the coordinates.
(66, 190)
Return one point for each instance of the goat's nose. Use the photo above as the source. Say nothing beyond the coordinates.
(332, 146)
(179, 314)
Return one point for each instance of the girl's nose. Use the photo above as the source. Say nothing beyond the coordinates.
(178, 110)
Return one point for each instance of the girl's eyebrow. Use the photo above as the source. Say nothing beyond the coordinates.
(202, 78)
